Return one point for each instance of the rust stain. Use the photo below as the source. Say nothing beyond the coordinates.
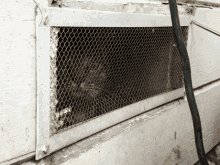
(174, 157)
(177, 153)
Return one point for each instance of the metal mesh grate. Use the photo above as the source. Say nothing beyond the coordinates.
(95, 70)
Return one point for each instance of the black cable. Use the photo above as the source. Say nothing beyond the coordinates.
(188, 83)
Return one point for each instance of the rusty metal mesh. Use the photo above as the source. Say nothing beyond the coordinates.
(95, 70)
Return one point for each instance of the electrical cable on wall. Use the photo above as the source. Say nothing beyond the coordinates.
(188, 83)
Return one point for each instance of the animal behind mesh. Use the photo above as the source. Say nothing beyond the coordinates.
(95, 70)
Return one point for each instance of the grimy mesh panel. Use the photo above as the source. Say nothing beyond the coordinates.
(95, 70)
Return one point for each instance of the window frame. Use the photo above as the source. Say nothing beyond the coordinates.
(46, 144)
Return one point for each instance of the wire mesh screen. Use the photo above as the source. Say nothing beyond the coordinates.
(95, 70)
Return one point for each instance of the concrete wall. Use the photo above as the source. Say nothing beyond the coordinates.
(160, 136)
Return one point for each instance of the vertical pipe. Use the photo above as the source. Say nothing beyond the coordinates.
(188, 83)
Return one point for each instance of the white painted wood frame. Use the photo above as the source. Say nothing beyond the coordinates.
(86, 18)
